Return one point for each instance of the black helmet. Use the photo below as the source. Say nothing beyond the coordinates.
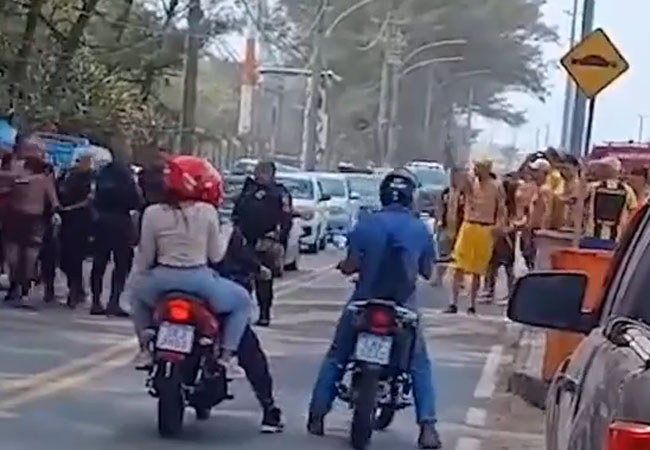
(398, 187)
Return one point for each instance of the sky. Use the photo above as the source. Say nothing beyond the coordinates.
(617, 108)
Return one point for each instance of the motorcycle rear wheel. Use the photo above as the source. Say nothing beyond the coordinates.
(171, 409)
(364, 409)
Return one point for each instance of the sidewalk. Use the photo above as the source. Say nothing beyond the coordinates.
(514, 423)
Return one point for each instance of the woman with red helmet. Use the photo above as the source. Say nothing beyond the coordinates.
(179, 238)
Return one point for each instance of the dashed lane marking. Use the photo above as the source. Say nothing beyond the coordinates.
(466, 443)
(488, 381)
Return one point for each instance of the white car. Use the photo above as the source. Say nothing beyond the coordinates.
(310, 203)
(343, 204)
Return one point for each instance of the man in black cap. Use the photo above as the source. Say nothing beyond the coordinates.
(263, 213)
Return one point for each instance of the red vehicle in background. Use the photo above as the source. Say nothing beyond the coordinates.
(631, 154)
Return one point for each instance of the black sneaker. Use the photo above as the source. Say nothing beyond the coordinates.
(451, 309)
(263, 323)
(471, 311)
(429, 437)
(97, 310)
(272, 421)
(316, 425)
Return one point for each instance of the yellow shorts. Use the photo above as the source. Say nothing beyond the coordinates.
(473, 249)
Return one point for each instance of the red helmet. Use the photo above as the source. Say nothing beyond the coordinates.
(193, 178)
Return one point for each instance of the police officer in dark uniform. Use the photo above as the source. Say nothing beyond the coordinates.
(263, 213)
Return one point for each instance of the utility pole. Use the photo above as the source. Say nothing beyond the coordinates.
(190, 79)
(310, 137)
(382, 119)
(395, 46)
(579, 110)
(569, 90)
(431, 75)
(641, 126)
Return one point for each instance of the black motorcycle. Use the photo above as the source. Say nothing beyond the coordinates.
(185, 372)
(377, 383)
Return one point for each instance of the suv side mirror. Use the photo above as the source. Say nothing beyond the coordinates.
(552, 300)
(325, 198)
(355, 196)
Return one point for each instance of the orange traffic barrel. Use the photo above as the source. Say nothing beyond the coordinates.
(595, 263)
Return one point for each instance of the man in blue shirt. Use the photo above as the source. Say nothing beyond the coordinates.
(389, 249)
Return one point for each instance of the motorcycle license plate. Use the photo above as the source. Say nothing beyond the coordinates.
(373, 349)
(175, 338)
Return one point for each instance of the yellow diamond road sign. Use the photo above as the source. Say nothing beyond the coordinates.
(595, 63)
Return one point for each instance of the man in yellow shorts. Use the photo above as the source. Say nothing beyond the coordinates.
(484, 207)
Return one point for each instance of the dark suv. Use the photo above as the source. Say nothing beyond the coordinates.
(598, 399)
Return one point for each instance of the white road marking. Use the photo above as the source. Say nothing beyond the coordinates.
(476, 417)
(488, 381)
(466, 443)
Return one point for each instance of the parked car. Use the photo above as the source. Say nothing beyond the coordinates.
(311, 204)
(365, 192)
(597, 400)
(233, 185)
(433, 179)
(246, 166)
(342, 206)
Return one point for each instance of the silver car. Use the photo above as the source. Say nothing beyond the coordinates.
(341, 205)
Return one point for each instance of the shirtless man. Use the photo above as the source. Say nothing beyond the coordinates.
(484, 214)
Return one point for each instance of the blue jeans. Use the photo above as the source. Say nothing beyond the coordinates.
(333, 369)
(223, 295)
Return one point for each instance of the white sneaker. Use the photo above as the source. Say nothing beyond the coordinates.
(233, 370)
(143, 360)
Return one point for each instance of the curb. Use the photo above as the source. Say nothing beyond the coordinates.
(526, 347)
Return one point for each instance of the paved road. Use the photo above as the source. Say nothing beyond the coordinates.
(66, 382)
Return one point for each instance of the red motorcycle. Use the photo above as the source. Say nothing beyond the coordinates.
(185, 372)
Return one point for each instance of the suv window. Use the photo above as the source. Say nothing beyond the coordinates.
(627, 291)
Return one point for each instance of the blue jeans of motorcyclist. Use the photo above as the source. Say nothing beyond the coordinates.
(223, 295)
(333, 369)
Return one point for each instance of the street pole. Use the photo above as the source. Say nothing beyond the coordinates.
(395, 65)
(590, 125)
(569, 90)
(382, 116)
(641, 124)
(308, 159)
(190, 79)
(578, 120)
(428, 106)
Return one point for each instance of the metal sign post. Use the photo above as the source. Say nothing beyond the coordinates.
(590, 125)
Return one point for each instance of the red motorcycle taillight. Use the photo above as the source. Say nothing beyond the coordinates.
(380, 321)
(628, 436)
(179, 310)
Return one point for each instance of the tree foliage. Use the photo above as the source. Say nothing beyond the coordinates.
(504, 39)
(98, 65)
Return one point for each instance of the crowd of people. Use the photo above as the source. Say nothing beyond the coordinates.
(56, 220)
(487, 221)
